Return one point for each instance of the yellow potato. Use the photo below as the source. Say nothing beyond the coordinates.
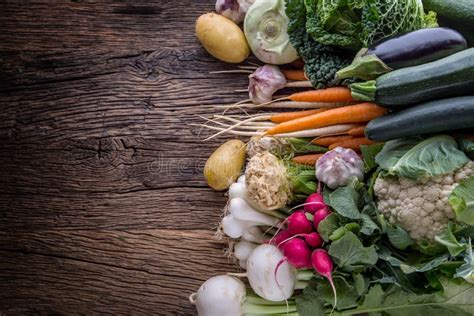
(225, 164)
(222, 38)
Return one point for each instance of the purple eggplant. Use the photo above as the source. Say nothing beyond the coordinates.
(406, 50)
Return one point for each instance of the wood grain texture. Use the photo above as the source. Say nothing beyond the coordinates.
(103, 208)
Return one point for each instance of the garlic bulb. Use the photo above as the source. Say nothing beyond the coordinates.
(264, 82)
(233, 9)
(337, 166)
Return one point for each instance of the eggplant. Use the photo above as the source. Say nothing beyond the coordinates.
(406, 50)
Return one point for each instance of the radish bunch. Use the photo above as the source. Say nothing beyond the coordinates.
(300, 242)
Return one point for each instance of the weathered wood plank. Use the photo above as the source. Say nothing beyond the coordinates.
(103, 208)
(68, 25)
(112, 272)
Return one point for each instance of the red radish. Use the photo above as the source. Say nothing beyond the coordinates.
(313, 240)
(297, 253)
(322, 263)
(298, 223)
(320, 215)
(280, 239)
(313, 203)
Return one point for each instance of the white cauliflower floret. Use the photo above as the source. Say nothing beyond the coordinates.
(421, 208)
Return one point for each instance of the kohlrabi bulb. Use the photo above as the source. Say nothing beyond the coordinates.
(264, 82)
(337, 166)
(233, 9)
(265, 27)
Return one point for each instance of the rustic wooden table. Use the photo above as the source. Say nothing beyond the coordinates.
(103, 207)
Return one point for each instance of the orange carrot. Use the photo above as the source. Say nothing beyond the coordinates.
(359, 113)
(326, 141)
(357, 131)
(335, 94)
(288, 116)
(299, 63)
(309, 160)
(353, 143)
(296, 75)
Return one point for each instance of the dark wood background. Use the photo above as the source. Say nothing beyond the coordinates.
(103, 207)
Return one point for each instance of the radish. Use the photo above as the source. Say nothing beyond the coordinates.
(268, 283)
(220, 295)
(297, 253)
(280, 238)
(313, 203)
(298, 223)
(320, 215)
(322, 263)
(313, 239)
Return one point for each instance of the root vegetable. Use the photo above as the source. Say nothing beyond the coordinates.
(261, 266)
(320, 215)
(222, 38)
(297, 253)
(225, 164)
(298, 223)
(314, 202)
(220, 295)
(359, 113)
(322, 263)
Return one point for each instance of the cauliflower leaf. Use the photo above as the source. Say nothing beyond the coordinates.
(462, 201)
(415, 159)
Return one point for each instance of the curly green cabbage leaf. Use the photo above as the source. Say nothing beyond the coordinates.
(352, 24)
(415, 158)
(321, 62)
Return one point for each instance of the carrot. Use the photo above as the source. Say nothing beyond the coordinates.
(359, 113)
(326, 141)
(296, 75)
(309, 160)
(357, 131)
(288, 116)
(299, 63)
(468, 137)
(335, 94)
(353, 143)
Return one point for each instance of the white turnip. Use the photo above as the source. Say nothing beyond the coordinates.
(261, 266)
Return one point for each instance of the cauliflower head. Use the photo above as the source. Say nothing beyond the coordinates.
(420, 207)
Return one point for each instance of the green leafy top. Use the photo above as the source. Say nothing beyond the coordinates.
(352, 24)
(415, 158)
(321, 61)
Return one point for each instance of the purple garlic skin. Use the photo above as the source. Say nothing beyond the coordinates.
(233, 9)
(337, 166)
(264, 82)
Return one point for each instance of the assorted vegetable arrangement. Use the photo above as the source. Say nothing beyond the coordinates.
(355, 194)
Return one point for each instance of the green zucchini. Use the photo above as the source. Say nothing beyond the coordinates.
(451, 76)
(456, 14)
(431, 117)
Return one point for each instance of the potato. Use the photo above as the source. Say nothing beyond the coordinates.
(225, 164)
(222, 38)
